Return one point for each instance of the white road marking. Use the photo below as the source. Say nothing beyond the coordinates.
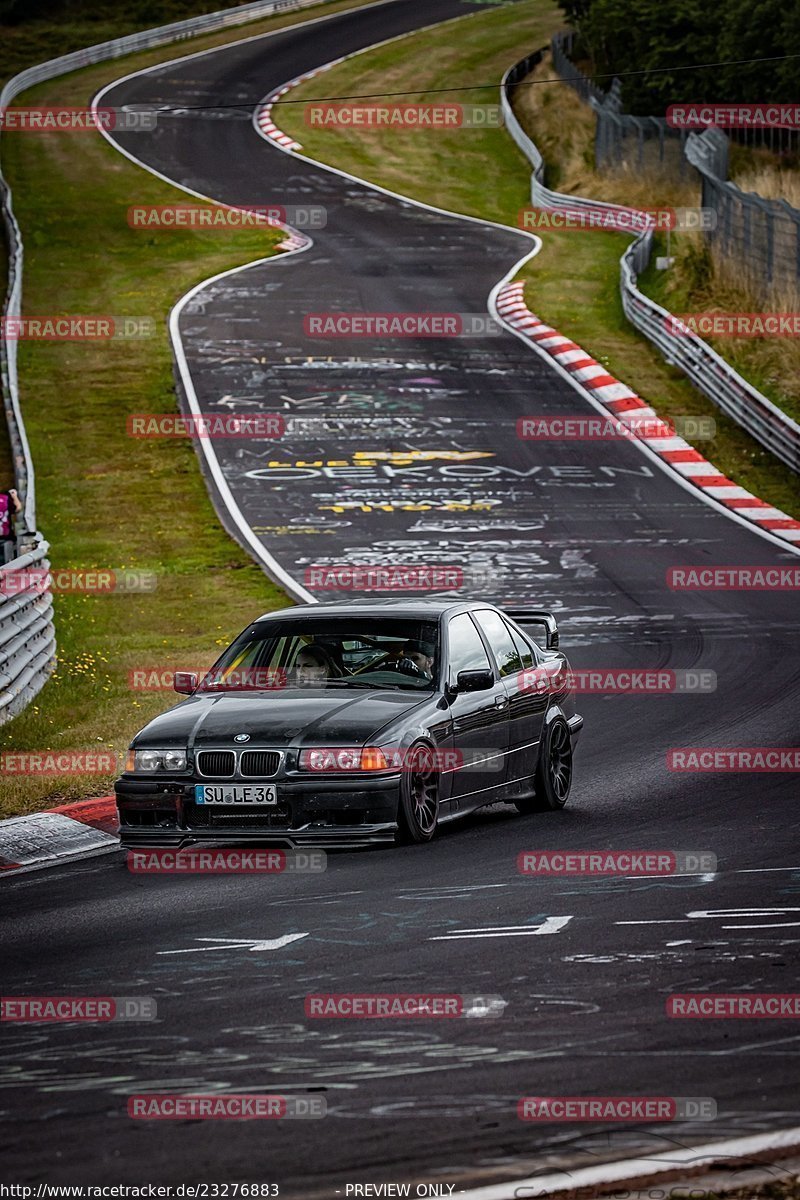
(233, 403)
(702, 914)
(746, 913)
(758, 870)
(251, 944)
(549, 925)
(741, 912)
(705, 876)
(772, 925)
(692, 1158)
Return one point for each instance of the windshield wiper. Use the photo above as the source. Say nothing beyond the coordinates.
(360, 683)
(384, 687)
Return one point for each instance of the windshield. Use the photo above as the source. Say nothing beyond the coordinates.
(330, 653)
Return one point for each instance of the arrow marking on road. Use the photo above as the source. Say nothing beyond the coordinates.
(732, 913)
(549, 925)
(251, 944)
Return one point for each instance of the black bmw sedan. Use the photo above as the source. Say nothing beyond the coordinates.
(357, 722)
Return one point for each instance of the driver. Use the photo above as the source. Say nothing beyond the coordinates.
(419, 655)
(313, 667)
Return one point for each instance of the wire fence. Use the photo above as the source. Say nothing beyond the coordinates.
(621, 140)
(761, 236)
(758, 237)
(707, 370)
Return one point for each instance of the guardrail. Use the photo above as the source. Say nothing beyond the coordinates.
(707, 370)
(27, 636)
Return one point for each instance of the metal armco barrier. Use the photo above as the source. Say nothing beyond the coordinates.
(707, 370)
(27, 636)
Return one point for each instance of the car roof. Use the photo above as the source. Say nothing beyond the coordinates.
(405, 606)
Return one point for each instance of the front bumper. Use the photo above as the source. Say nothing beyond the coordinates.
(319, 813)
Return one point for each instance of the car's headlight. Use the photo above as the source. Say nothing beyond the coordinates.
(150, 762)
(367, 758)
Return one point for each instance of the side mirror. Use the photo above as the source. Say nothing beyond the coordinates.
(475, 681)
(185, 682)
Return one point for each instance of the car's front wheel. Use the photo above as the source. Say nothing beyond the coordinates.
(419, 795)
(552, 778)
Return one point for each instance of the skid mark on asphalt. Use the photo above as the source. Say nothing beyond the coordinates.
(462, 499)
(334, 1058)
(455, 892)
(626, 885)
(722, 952)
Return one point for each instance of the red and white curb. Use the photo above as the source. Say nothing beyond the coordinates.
(294, 241)
(264, 119)
(41, 839)
(631, 410)
(267, 127)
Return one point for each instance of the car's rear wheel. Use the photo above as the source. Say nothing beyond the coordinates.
(552, 778)
(419, 795)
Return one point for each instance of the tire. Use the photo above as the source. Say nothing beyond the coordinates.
(552, 778)
(418, 811)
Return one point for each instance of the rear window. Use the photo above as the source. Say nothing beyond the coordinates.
(505, 652)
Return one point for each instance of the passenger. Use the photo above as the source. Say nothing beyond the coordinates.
(313, 667)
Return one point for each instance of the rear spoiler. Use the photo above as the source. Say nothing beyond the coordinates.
(536, 616)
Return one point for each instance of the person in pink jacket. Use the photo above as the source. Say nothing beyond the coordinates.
(10, 505)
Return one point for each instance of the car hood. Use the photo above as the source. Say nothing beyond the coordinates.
(293, 718)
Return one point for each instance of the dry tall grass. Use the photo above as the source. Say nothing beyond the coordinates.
(701, 280)
(771, 182)
(563, 128)
(704, 281)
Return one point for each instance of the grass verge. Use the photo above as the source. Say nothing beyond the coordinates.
(30, 41)
(105, 500)
(573, 283)
(698, 281)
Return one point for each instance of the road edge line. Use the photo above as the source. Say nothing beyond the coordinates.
(691, 1158)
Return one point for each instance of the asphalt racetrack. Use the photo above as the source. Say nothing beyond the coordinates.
(587, 528)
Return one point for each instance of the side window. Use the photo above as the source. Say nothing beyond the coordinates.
(467, 652)
(523, 649)
(505, 652)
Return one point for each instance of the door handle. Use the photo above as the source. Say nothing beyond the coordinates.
(500, 701)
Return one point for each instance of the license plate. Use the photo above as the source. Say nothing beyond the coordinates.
(247, 793)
